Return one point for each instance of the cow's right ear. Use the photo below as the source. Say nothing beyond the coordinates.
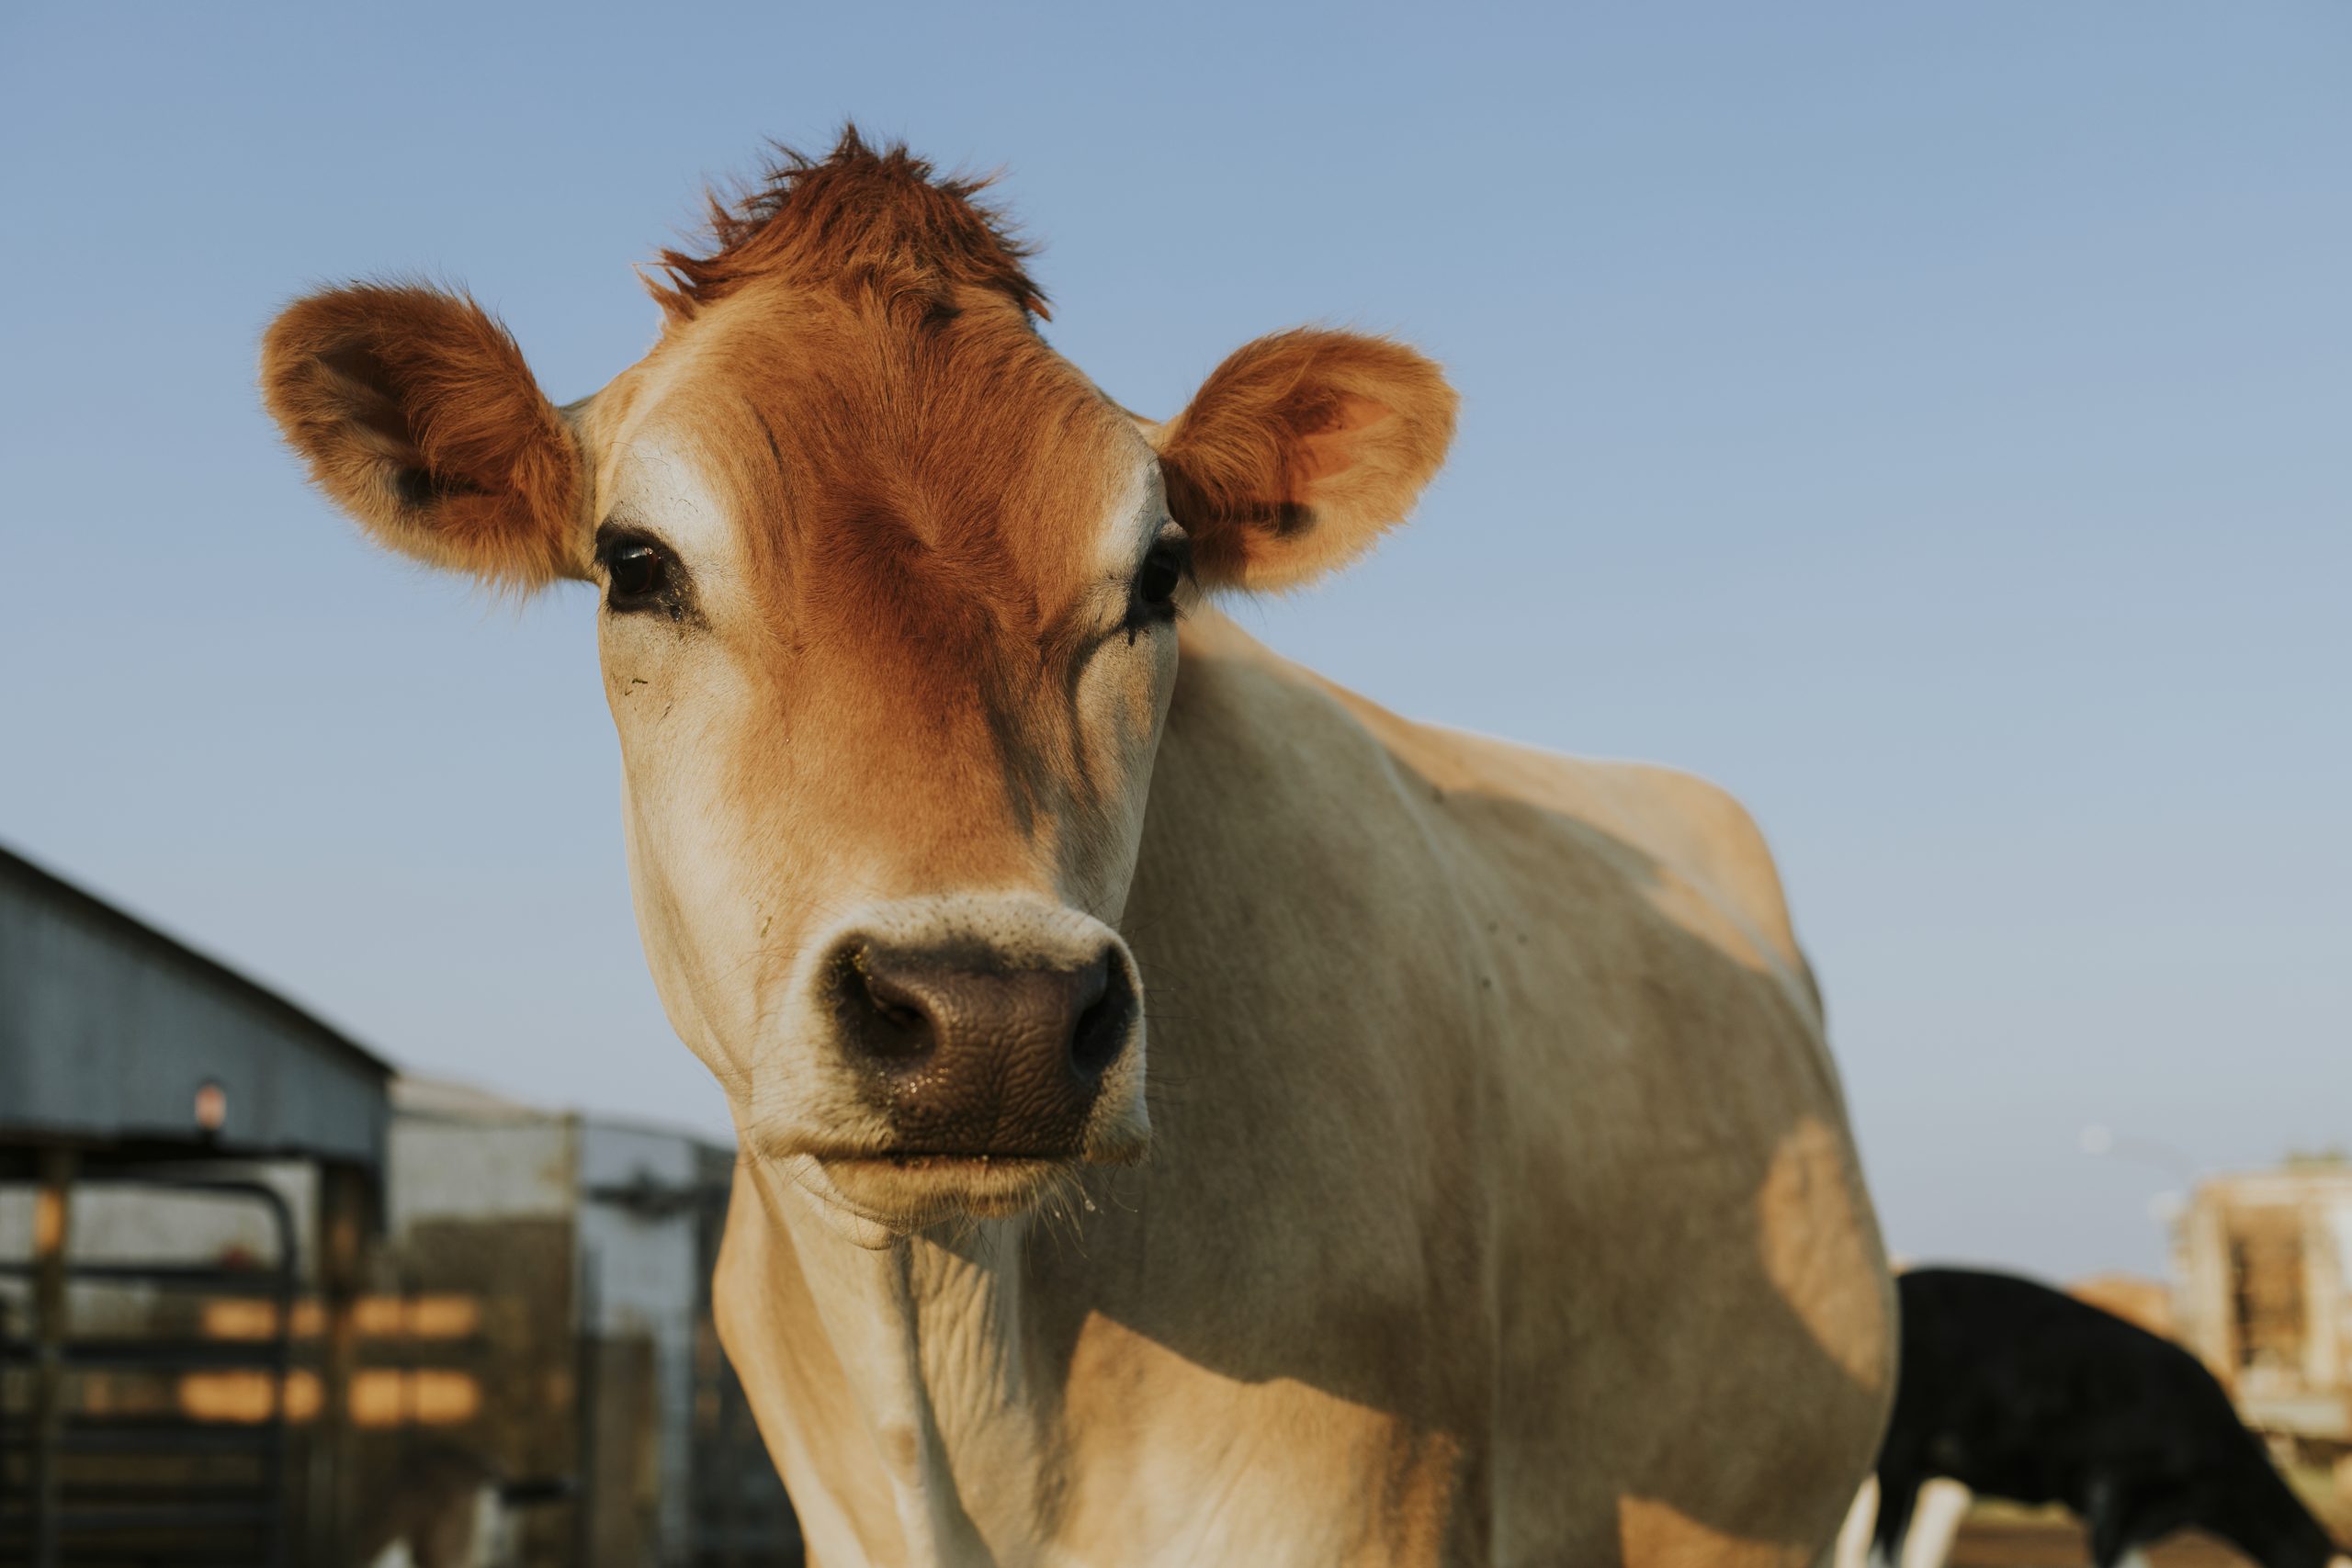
(418, 417)
(1301, 450)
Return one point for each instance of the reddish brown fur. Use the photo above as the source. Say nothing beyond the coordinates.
(1300, 450)
(420, 418)
(859, 217)
(923, 509)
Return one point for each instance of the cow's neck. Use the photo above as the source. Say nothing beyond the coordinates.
(932, 1336)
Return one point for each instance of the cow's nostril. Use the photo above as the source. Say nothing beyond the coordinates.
(1106, 1014)
(894, 1001)
(894, 1024)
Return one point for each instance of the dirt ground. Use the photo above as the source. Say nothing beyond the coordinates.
(2037, 1542)
(2003, 1538)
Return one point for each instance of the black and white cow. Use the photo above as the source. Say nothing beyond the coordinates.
(2014, 1391)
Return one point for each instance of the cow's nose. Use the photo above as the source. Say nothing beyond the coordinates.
(975, 1056)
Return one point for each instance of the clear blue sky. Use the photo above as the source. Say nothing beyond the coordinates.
(1934, 423)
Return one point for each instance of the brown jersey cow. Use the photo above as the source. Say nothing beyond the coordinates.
(1485, 1195)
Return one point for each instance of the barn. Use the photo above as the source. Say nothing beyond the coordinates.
(150, 1096)
(251, 1279)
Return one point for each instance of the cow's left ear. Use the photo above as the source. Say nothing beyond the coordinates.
(1299, 451)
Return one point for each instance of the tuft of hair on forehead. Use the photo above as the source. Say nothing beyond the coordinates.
(856, 216)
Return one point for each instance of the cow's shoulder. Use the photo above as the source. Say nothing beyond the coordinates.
(1701, 829)
(1674, 825)
(1667, 840)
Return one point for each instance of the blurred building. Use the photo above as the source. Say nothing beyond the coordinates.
(172, 1134)
(2264, 1264)
(571, 1257)
(2131, 1297)
(248, 1277)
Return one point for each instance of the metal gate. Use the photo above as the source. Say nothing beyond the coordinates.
(101, 1468)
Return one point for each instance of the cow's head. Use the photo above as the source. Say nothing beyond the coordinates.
(889, 594)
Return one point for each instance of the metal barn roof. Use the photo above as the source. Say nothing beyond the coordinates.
(108, 1029)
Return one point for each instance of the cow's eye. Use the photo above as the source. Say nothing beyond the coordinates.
(1165, 567)
(640, 573)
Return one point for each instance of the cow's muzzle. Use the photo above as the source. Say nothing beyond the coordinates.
(968, 1050)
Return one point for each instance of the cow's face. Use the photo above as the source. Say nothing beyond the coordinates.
(887, 625)
(889, 629)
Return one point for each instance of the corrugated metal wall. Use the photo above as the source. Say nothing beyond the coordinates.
(108, 1028)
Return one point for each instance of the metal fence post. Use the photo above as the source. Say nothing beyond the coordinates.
(340, 1221)
(52, 1223)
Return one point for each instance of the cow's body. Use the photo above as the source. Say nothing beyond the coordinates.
(2015, 1391)
(1482, 1194)
(1527, 1233)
